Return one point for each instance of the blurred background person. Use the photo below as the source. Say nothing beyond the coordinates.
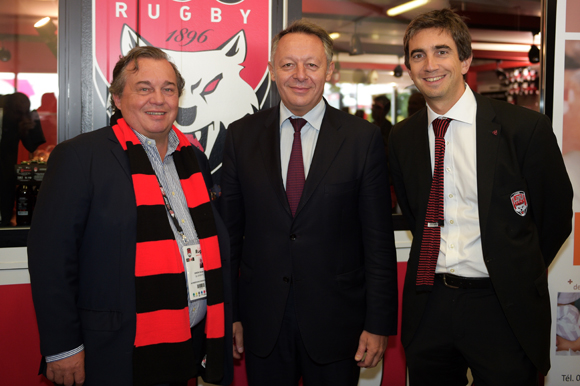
(47, 115)
(380, 109)
(416, 102)
(18, 125)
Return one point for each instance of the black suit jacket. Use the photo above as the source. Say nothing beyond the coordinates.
(337, 252)
(516, 151)
(81, 256)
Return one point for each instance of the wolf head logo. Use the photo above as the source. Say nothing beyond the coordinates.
(214, 96)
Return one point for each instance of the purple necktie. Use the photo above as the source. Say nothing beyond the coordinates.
(434, 218)
(295, 178)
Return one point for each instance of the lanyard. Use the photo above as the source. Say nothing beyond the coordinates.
(171, 212)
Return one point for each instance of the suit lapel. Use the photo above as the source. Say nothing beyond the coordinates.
(270, 148)
(487, 141)
(120, 154)
(329, 141)
(422, 156)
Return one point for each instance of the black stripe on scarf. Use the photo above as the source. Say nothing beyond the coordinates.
(205, 227)
(159, 292)
(154, 228)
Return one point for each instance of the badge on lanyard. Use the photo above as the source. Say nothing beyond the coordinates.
(195, 273)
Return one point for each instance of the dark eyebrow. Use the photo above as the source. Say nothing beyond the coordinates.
(442, 46)
(148, 83)
(417, 50)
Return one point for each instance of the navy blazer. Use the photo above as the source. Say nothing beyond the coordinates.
(516, 151)
(337, 252)
(81, 257)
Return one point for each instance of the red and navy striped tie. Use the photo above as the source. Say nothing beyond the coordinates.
(434, 218)
(295, 179)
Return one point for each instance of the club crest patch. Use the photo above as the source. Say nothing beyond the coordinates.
(519, 202)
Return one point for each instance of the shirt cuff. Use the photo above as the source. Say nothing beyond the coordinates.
(63, 355)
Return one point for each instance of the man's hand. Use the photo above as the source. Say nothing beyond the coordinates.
(68, 371)
(374, 346)
(238, 340)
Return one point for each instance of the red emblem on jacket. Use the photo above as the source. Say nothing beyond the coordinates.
(519, 202)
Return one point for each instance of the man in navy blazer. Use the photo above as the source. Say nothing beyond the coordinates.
(82, 242)
(507, 210)
(314, 285)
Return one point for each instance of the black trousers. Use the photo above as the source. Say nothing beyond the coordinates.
(464, 328)
(289, 361)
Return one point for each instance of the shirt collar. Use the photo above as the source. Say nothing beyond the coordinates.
(463, 110)
(314, 116)
(173, 141)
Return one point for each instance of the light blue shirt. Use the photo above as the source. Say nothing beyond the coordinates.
(167, 174)
(308, 136)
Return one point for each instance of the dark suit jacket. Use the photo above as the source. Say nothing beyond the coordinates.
(516, 151)
(81, 253)
(337, 252)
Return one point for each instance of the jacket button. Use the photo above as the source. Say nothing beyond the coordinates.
(292, 237)
(286, 279)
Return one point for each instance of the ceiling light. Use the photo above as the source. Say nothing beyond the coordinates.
(42, 22)
(398, 71)
(534, 54)
(334, 35)
(47, 30)
(5, 55)
(406, 7)
(356, 47)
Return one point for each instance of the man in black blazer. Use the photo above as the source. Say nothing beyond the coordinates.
(314, 281)
(87, 240)
(507, 209)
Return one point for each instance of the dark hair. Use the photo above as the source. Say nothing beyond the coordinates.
(306, 27)
(446, 20)
(384, 101)
(416, 103)
(120, 70)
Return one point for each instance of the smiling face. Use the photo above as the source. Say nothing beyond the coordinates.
(436, 69)
(150, 99)
(300, 70)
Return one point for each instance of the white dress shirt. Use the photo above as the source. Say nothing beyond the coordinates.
(308, 136)
(460, 252)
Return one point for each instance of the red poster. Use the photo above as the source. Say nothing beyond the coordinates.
(221, 48)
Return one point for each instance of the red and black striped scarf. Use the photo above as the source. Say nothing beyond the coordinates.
(163, 350)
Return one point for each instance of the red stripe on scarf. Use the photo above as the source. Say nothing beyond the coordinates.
(155, 258)
(195, 183)
(124, 134)
(216, 328)
(143, 194)
(183, 140)
(163, 326)
(210, 246)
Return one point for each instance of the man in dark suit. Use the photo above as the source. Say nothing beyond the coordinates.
(476, 291)
(317, 271)
(122, 218)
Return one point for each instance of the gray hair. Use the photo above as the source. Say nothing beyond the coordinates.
(306, 27)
